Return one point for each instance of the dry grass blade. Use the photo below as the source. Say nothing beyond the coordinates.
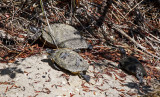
(134, 7)
(50, 29)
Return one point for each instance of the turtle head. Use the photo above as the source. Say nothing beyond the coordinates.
(122, 51)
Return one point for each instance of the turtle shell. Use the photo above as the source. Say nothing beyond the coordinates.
(130, 65)
(65, 36)
(69, 60)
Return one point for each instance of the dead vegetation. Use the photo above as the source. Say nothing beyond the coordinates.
(106, 24)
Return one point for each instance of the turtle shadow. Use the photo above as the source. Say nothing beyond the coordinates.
(10, 71)
(56, 67)
(143, 89)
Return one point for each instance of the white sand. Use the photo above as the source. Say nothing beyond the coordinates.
(41, 80)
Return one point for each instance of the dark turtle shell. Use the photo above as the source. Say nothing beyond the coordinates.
(130, 64)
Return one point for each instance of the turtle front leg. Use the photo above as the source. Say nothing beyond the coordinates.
(56, 67)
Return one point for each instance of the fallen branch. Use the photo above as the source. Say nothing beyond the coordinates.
(111, 63)
(137, 44)
(134, 7)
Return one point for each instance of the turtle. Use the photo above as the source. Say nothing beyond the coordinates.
(69, 60)
(59, 36)
(63, 36)
(131, 65)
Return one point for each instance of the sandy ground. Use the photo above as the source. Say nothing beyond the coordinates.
(35, 77)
